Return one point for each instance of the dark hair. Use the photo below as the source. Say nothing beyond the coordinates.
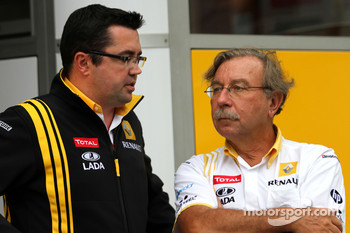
(87, 29)
(274, 78)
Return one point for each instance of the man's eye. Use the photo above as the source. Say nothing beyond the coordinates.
(237, 88)
(217, 89)
(128, 58)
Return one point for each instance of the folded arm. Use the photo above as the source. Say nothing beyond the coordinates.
(203, 219)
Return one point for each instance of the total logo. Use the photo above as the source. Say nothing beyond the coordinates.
(92, 163)
(220, 179)
(86, 142)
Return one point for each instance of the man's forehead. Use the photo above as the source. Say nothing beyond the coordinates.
(240, 70)
(242, 61)
(125, 40)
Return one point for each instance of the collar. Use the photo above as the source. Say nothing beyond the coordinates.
(122, 111)
(272, 153)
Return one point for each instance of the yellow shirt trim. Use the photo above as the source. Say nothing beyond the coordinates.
(275, 149)
(230, 151)
(123, 111)
(272, 153)
(94, 106)
(116, 161)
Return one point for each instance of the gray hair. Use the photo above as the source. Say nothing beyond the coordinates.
(274, 78)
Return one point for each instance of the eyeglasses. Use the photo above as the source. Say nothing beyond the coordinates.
(215, 90)
(140, 61)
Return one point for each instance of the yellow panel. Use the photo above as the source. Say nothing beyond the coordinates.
(317, 110)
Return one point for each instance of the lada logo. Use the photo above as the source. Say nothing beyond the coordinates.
(90, 156)
(225, 191)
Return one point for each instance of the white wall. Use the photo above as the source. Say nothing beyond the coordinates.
(155, 111)
(18, 81)
(155, 12)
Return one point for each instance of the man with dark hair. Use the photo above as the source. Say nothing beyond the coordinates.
(74, 160)
(259, 181)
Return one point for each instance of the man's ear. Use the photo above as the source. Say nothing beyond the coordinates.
(82, 62)
(276, 100)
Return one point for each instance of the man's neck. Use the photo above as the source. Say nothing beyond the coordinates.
(108, 115)
(253, 149)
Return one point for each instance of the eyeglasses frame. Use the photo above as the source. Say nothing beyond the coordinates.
(210, 92)
(125, 59)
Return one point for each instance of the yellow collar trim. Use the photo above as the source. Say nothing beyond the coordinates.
(273, 152)
(94, 106)
(122, 111)
(276, 148)
(230, 151)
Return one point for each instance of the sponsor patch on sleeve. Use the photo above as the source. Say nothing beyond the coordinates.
(5, 126)
(329, 157)
(336, 196)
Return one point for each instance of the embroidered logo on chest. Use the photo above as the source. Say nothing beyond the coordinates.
(129, 133)
(86, 142)
(287, 169)
(92, 161)
(220, 179)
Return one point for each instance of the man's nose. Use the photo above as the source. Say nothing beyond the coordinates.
(135, 69)
(224, 98)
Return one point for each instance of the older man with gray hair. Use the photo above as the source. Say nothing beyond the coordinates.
(258, 181)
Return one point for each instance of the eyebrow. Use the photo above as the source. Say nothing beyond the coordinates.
(214, 82)
(233, 82)
(130, 53)
(239, 81)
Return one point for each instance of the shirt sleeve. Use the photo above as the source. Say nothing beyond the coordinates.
(17, 163)
(192, 187)
(324, 184)
(161, 214)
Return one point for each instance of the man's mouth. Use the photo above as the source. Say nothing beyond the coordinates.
(131, 86)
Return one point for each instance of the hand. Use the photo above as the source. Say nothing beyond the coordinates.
(313, 222)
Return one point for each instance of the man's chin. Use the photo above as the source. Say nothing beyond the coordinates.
(125, 100)
(225, 127)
